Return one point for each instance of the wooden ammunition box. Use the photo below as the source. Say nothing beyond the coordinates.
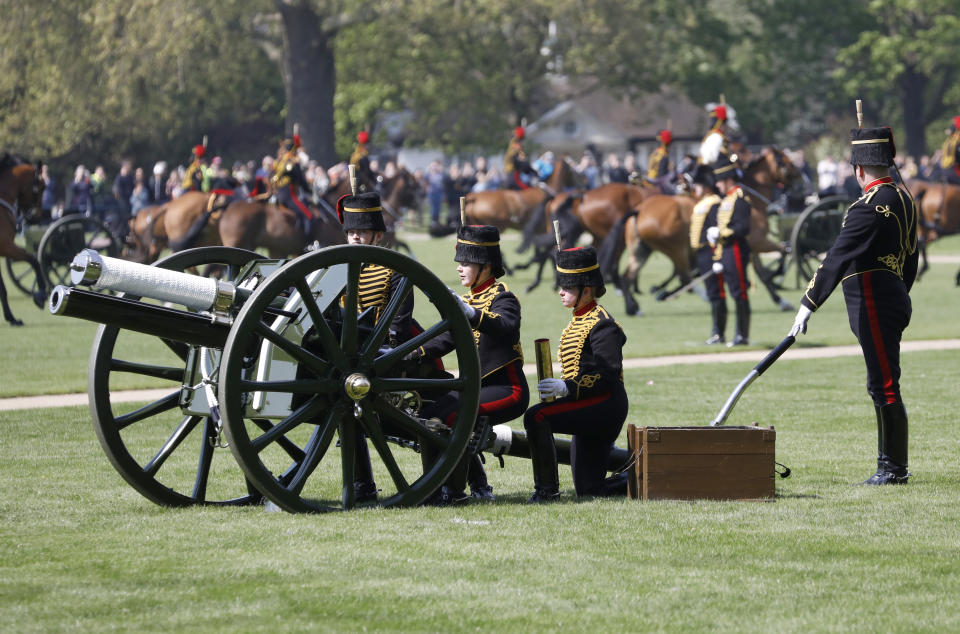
(691, 463)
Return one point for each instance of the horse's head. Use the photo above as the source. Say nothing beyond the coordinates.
(403, 189)
(564, 175)
(772, 167)
(24, 188)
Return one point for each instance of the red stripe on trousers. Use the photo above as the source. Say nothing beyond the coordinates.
(296, 201)
(738, 259)
(877, 335)
(493, 406)
(570, 406)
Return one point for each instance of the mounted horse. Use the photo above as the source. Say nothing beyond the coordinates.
(938, 209)
(662, 224)
(20, 190)
(511, 208)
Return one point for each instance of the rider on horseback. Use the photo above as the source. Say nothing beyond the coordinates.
(288, 182)
(360, 159)
(715, 144)
(950, 155)
(193, 179)
(515, 162)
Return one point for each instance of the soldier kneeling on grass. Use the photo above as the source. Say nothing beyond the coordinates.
(590, 398)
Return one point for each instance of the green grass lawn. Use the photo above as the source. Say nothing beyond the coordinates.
(49, 355)
(81, 551)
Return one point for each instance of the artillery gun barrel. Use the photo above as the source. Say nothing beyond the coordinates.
(160, 321)
(194, 292)
(511, 442)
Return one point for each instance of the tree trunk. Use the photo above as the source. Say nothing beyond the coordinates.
(914, 85)
(309, 78)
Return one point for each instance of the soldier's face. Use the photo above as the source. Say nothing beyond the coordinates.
(469, 271)
(363, 236)
(569, 296)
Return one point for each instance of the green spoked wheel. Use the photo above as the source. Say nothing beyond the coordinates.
(347, 389)
(815, 232)
(69, 236)
(171, 457)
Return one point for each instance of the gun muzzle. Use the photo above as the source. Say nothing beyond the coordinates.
(544, 363)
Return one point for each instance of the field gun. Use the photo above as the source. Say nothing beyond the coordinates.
(274, 361)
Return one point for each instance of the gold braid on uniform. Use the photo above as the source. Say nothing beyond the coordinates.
(482, 302)
(653, 164)
(373, 287)
(571, 345)
(700, 211)
(725, 213)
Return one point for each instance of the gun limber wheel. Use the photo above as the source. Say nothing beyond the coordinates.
(67, 237)
(346, 387)
(171, 457)
(815, 232)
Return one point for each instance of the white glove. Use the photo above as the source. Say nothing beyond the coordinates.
(718, 267)
(713, 234)
(467, 309)
(552, 388)
(800, 321)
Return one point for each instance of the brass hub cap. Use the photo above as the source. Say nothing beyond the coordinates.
(356, 386)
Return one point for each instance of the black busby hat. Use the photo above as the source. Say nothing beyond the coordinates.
(703, 175)
(480, 244)
(578, 267)
(362, 211)
(725, 168)
(872, 146)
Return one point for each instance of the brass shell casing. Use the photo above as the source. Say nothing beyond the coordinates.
(544, 362)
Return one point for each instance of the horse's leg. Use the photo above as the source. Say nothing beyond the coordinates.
(540, 256)
(12, 252)
(638, 259)
(767, 281)
(506, 268)
(7, 313)
(924, 264)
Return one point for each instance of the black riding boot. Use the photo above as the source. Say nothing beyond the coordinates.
(477, 477)
(742, 338)
(543, 456)
(718, 309)
(892, 449)
(364, 487)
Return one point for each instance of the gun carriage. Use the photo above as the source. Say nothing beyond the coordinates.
(275, 363)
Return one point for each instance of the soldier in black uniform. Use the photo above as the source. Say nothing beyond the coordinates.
(193, 178)
(360, 159)
(494, 313)
(362, 219)
(875, 259)
(703, 240)
(288, 183)
(733, 250)
(591, 402)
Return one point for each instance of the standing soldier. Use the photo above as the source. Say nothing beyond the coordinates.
(288, 182)
(733, 228)
(362, 218)
(193, 179)
(703, 240)
(715, 145)
(950, 155)
(658, 166)
(494, 313)
(515, 162)
(360, 159)
(875, 260)
(591, 402)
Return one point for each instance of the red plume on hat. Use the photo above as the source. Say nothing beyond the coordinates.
(296, 141)
(199, 151)
(363, 137)
(665, 136)
(720, 112)
(956, 122)
(519, 132)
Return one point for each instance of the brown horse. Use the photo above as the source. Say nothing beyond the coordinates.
(938, 209)
(20, 190)
(510, 208)
(662, 224)
(252, 224)
(147, 237)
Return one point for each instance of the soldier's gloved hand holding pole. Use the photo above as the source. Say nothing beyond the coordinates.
(800, 321)
(713, 234)
(552, 388)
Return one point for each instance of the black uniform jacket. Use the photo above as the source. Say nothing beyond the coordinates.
(733, 218)
(591, 352)
(376, 286)
(704, 216)
(496, 328)
(879, 233)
